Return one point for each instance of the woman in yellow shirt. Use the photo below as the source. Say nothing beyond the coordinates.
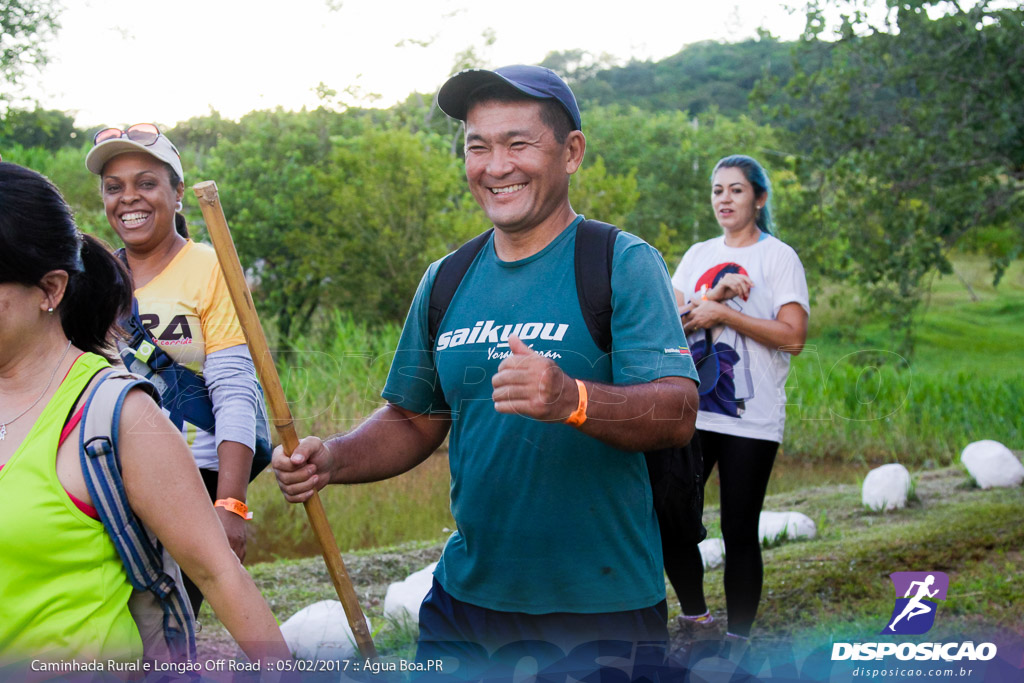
(184, 303)
(63, 588)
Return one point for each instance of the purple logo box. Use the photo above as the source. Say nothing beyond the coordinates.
(914, 609)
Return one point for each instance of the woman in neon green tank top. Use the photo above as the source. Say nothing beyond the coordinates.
(63, 589)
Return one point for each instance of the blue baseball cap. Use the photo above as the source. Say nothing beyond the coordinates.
(534, 81)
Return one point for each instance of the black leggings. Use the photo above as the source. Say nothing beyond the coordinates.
(744, 466)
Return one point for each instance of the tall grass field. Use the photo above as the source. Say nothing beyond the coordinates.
(853, 403)
(852, 398)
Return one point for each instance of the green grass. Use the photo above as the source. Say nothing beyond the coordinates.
(847, 586)
(837, 586)
(853, 398)
(333, 379)
(833, 587)
(409, 508)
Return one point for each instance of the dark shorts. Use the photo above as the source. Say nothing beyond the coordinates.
(463, 642)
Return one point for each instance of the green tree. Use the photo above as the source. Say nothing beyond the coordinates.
(603, 196)
(268, 185)
(703, 76)
(671, 155)
(329, 210)
(577, 66)
(202, 133)
(47, 128)
(25, 26)
(474, 56)
(397, 201)
(66, 168)
(916, 140)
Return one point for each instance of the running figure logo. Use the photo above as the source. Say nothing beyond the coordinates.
(914, 612)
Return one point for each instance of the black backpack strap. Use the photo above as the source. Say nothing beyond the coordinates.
(595, 247)
(449, 276)
(183, 392)
(675, 473)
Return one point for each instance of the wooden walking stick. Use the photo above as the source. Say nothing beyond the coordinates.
(217, 225)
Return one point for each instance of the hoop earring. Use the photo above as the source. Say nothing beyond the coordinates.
(179, 206)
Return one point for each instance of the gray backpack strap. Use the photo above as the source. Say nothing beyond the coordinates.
(158, 603)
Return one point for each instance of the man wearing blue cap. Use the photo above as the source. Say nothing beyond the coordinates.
(557, 552)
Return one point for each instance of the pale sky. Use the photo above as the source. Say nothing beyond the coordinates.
(126, 61)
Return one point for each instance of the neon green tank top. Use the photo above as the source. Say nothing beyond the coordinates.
(63, 588)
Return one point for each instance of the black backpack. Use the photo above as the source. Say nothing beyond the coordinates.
(676, 473)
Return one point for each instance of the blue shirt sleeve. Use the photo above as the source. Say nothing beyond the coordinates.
(647, 336)
(412, 382)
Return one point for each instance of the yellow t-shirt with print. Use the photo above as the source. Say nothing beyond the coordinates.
(189, 312)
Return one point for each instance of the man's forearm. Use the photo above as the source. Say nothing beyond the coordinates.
(388, 443)
(642, 417)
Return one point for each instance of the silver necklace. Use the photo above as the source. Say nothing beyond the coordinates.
(3, 425)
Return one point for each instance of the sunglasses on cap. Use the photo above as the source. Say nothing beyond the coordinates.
(143, 133)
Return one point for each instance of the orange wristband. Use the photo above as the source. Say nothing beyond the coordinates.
(579, 416)
(234, 505)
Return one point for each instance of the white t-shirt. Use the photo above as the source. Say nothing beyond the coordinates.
(749, 397)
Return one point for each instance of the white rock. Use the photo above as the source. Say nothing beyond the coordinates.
(992, 464)
(402, 601)
(886, 487)
(773, 526)
(320, 632)
(712, 551)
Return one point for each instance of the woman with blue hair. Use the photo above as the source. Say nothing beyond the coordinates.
(744, 306)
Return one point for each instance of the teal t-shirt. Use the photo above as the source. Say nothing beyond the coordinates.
(548, 519)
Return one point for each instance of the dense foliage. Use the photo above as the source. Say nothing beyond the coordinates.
(914, 141)
(701, 77)
(888, 146)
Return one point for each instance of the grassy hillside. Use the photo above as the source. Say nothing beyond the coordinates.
(700, 76)
(853, 399)
(834, 587)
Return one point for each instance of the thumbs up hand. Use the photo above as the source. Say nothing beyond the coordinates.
(519, 348)
(531, 385)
